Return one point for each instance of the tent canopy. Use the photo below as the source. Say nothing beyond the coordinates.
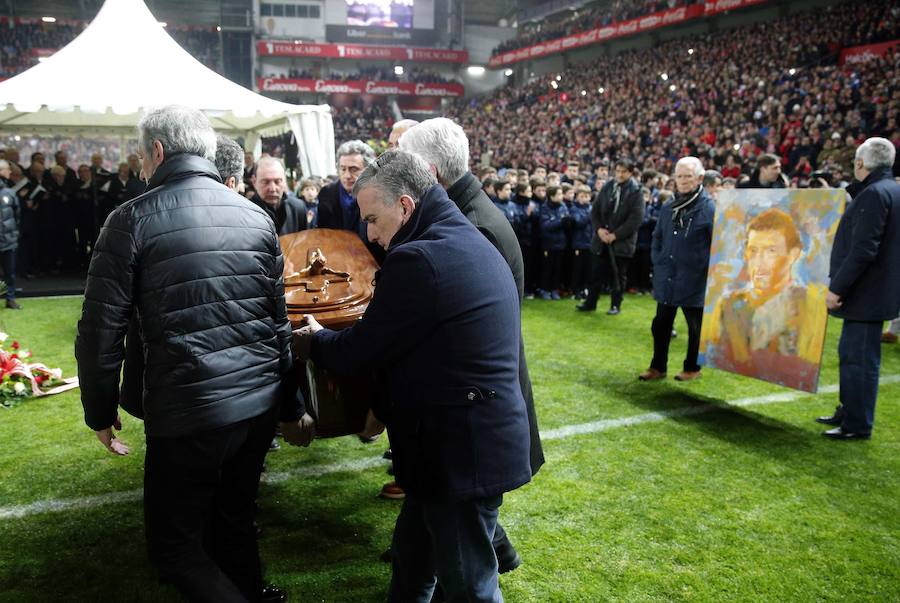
(143, 68)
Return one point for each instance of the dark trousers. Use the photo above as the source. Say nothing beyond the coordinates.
(532, 268)
(551, 269)
(199, 503)
(8, 262)
(448, 541)
(639, 270)
(859, 351)
(581, 268)
(662, 336)
(602, 273)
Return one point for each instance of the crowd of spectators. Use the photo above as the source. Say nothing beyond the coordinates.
(78, 149)
(21, 41)
(599, 14)
(727, 97)
(370, 123)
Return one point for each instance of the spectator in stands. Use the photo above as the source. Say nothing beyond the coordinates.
(680, 255)
(337, 207)
(615, 218)
(767, 173)
(9, 234)
(286, 211)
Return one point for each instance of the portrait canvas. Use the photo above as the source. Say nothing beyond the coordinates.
(764, 314)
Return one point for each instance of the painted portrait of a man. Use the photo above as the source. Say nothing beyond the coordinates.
(765, 313)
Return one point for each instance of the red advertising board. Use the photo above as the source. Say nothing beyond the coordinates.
(664, 18)
(271, 84)
(864, 54)
(275, 48)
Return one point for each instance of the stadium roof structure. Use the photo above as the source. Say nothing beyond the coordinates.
(124, 63)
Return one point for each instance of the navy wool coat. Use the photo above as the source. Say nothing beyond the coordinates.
(865, 258)
(444, 326)
(680, 253)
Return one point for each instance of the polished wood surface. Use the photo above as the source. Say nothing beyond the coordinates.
(330, 275)
(334, 300)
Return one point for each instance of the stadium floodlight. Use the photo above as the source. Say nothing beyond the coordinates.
(48, 19)
(398, 69)
(475, 70)
(161, 23)
(601, 89)
(584, 93)
(664, 76)
(558, 78)
(792, 71)
(218, 28)
(690, 51)
(736, 147)
(554, 84)
(673, 87)
(17, 138)
(508, 72)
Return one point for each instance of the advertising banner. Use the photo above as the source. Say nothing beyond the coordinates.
(271, 84)
(360, 52)
(863, 54)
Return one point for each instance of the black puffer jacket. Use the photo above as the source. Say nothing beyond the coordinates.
(9, 218)
(203, 268)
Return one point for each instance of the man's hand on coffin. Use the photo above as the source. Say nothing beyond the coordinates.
(302, 340)
(300, 433)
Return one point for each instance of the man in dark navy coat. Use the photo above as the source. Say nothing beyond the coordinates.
(443, 144)
(865, 285)
(444, 326)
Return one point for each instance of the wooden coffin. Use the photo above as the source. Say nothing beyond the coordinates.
(330, 275)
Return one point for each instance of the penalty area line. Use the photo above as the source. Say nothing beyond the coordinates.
(358, 465)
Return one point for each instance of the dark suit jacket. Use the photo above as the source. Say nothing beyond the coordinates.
(443, 325)
(624, 222)
(330, 215)
(477, 207)
(865, 258)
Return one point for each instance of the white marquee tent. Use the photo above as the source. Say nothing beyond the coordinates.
(140, 66)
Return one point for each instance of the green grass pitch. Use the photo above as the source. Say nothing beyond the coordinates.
(707, 501)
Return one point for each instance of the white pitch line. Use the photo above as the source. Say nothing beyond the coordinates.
(88, 502)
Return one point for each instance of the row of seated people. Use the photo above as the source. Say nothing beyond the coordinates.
(721, 97)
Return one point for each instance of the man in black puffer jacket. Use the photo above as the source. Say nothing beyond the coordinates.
(202, 268)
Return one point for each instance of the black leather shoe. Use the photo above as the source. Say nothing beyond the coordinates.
(585, 308)
(13, 304)
(838, 433)
(836, 419)
(507, 557)
(272, 594)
